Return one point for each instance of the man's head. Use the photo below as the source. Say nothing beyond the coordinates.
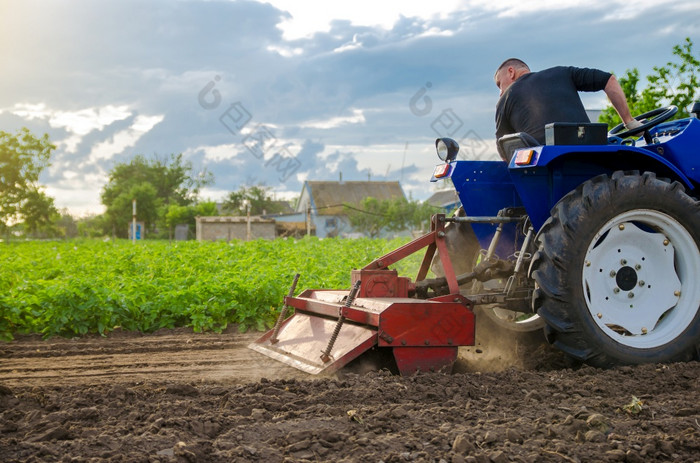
(508, 72)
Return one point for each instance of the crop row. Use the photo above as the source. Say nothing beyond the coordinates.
(72, 288)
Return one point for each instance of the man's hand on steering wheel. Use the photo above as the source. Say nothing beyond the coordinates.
(632, 125)
(643, 122)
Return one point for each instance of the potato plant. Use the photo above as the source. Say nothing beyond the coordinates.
(71, 288)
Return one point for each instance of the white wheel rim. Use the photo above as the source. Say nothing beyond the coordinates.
(512, 320)
(640, 279)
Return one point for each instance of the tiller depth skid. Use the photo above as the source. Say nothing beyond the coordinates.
(330, 328)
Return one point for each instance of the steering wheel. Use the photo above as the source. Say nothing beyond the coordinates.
(648, 119)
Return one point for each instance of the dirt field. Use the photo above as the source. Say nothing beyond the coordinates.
(179, 396)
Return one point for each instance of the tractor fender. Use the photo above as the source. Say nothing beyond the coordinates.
(554, 171)
(620, 157)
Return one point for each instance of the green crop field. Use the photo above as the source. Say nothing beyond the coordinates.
(70, 288)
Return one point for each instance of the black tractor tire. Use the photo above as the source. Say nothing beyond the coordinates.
(617, 271)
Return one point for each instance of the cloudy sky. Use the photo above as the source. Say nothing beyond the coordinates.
(282, 91)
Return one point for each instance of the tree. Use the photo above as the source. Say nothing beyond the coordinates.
(67, 225)
(23, 157)
(374, 215)
(156, 184)
(677, 83)
(259, 198)
(178, 215)
(92, 226)
(40, 215)
(119, 214)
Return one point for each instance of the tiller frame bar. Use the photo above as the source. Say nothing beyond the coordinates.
(330, 328)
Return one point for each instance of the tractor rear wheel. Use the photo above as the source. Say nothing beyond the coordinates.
(617, 271)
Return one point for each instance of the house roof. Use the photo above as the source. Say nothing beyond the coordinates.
(284, 207)
(328, 197)
(443, 198)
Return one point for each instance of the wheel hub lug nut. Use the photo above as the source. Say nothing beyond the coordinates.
(616, 290)
(623, 262)
(630, 294)
(613, 273)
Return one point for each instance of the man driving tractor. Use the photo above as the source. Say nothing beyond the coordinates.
(530, 100)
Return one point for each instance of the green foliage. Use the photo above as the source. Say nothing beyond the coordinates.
(398, 214)
(677, 83)
(155, 184)
(120, 212)
(71, 288)
(257, 197)
(40, 215)
(92, 226)
(65, 225)
(23, 157)
(177, 215)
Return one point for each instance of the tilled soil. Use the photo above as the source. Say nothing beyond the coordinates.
(179, 396)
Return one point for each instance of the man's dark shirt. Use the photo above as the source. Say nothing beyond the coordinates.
(550, 95)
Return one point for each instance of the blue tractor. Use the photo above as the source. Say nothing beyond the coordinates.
(594, 237)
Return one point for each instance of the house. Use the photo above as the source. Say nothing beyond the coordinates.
(320, 204)
(447, 200)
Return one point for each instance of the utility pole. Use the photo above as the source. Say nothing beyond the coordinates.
(308, 221)
(133, 221)
(249, 232)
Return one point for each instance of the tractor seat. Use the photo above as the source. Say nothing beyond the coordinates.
(507, 144)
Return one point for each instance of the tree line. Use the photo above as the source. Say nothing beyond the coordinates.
(166, 189)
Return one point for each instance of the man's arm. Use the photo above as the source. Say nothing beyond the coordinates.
(617, 97)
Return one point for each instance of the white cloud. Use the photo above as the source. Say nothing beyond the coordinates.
(214, 194)
(286, 52)
(76, 123)
(357, 117)
(308, 17)
(30, 111)
(436, 32)
(86, 120)
(70, 144)
(124, 139)
(79, 122)
(80, 195)
(380, 159)
(215, 153)
(354, 44)
(512, 8)
(632, 9)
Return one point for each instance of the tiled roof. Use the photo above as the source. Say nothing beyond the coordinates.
(443, 198)
(328, 197)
